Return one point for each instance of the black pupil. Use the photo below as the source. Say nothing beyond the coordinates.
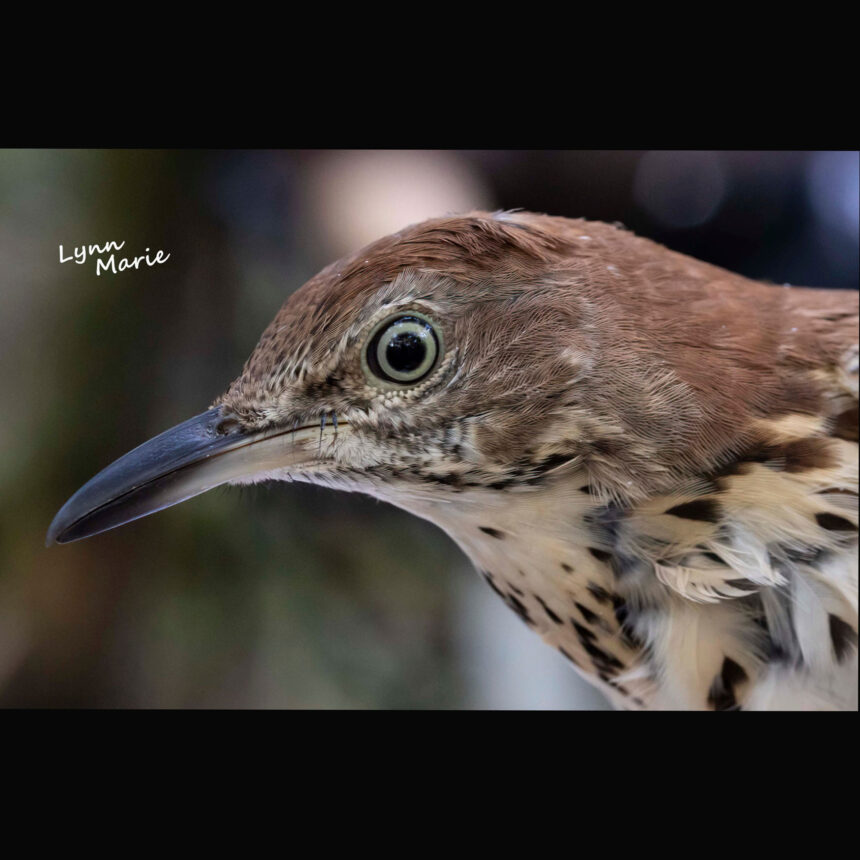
(405, 351)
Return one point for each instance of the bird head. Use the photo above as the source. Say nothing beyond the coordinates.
(435, 355)
(480, 352)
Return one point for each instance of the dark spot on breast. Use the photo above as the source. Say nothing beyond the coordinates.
(599, 593)
(845, 426)
(732, 672)
(548, 611)
(835, 524)
(584, 633)
(603, 662)
(807, 454)
(721, 695)
(489, 578)
(518, 607)
(843, 637)
(566, 568)
(719, 699)
(600, 554)
(587, 614)
(625, 620)
(495, 533)
(512, 601)
(706, 510)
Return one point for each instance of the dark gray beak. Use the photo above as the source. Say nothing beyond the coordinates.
(183, 462)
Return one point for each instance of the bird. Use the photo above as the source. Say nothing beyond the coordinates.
(651, 460)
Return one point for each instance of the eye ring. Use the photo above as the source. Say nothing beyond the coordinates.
(402, 350)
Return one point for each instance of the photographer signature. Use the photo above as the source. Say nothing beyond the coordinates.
(83, 252)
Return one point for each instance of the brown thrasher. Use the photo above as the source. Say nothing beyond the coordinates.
(651, 460)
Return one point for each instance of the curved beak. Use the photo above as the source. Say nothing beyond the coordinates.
(189, 459)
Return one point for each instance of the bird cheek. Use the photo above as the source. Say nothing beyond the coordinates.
(500, 438)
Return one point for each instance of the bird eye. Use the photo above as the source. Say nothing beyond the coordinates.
(403, 350)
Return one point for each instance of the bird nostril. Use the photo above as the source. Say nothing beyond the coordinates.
(227, 426)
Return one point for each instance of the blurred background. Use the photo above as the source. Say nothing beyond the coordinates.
(292, 596)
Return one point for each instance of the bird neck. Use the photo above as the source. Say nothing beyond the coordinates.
(542, 552)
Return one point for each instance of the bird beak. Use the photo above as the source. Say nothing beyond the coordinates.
(191, 458)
